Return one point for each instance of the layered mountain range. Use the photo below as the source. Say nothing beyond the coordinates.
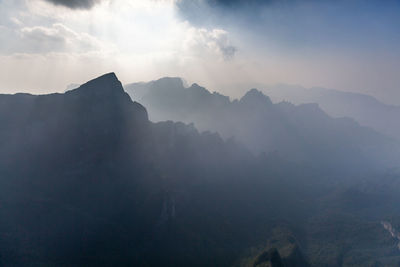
(366, 109)
(88, 180)
(303, 133)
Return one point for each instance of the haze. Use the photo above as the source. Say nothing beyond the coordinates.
(199, 133)
(227, 46)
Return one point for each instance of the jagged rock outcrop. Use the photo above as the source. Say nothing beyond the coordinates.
(270, 258)
(281, 249)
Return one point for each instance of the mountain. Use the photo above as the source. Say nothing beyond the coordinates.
(367, 110)
(303, 133)
(87, 180)
(84, 176)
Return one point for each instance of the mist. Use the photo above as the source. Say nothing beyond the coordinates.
(199, 133)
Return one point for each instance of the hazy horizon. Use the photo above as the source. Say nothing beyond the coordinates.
(222, 45)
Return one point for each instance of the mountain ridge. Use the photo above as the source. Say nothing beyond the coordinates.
(299, 132)
(366, 109)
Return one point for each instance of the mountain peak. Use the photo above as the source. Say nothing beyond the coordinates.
(255, 96)
(107, 84)
(170, 82)
(197, 87)
(105, 78)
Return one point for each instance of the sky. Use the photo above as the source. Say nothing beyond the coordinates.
(225, 45)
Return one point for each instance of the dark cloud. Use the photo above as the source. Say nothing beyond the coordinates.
(228, 52)
(185, 5)
(203, 12)
(75, 4)
(299, 23)
(233, 3)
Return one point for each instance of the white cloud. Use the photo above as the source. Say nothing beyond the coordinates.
(58, 38)
(42, 39)
(16, 21)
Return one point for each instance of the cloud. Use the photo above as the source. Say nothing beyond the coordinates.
(42, 39)
(75, 4)
(234, 3)
(299, 23)
(56, 38)
(206, 12)
(201, 42)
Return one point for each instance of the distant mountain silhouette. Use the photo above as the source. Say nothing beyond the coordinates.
(300, 133)
(367, 110)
